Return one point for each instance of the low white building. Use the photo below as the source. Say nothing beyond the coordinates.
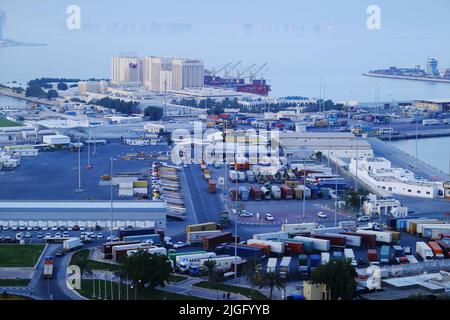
(56, 139)
(378, 173)
(375, 206)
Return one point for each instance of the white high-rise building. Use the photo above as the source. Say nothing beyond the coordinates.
(156, 71)
(187, 73)
(126, 70)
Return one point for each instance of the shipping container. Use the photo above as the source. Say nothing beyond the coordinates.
(314, 260)
(336, 240)
(381, 236)
(275, 247)
(338, 255)
(275, 192)
(324, 257)
(351, 241)
(271, 235)
(197, 237)
(286, 192)
(398, 251)
(72, 244)
(208, 226)
(243, 251)
(411, 225)
(350, 255)
(107, 247)
(172, 256)
(266, 193)
(265, 247)
(319, 244)
(222, 263)
(445, 247)
(293, 248)
(307, 245)
(303, 263)
(243, 193)
(135, 232)
(437, 250)
(272, 265)
(372, 255)
(368, 240)
(211, 242)
(212, 186)
(301, 191)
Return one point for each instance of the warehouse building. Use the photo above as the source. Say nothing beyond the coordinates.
(436, 105)
(85, 210)
(378, 173)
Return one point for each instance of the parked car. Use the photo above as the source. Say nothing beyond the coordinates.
(27, 235)
(40, 235)
(55, 228)
(322, 215)
(58, 234)
(82, 228)
(59, 253)
(363, 219)
(269, 217)
(76, 228)
(179, 244)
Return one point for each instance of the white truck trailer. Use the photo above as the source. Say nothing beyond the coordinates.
(284, 267)
(424, 251)
(383, 237)
(297, 228)
(272, 265)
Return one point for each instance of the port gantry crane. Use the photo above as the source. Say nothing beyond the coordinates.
(254, 73)
(227, 72)
(214, 72)
(240, 74)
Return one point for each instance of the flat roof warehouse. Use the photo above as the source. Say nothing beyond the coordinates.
(85, 210)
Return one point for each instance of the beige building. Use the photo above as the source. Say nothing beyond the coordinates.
(157, 73)
(438, 105)
(85, 87)
(315, 291)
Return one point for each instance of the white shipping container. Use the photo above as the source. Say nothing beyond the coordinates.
(296, 228)
(193, 259)
(197, 236)
(324, 257)
(319, 244)
(223, 263)
(275, 247)
(271, 235)
(272, 264)
(421, 226)
(424, 251)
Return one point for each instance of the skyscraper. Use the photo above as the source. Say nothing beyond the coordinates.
(187, 73)
(432, 66)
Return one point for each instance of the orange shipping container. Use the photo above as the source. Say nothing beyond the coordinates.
(265, 247)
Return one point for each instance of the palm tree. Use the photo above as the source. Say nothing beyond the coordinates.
(121, 274)
(271, 280)
(251, 267)
(210, 270)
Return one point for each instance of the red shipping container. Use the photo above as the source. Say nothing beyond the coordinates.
(372, 255)
(294, 247)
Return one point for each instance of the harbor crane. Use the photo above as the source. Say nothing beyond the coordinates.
(214, 72)
(240, 74)
(227, 72)
(254, 73)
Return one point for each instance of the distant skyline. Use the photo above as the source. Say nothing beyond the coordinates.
(302, 41)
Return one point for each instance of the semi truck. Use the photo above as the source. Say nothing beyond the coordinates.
(243, 193)
(151, 250)
(385, 254)
(276, 192)
(284, 267)
(223, 263)
(201, 227)
(255, 193)
(72, 244)
(350, 255)
(47, 272)
(190, 263)
(150, 238)
(286, 192)
(266, 193)
(272, 265)
(212, 186)
(424, 251)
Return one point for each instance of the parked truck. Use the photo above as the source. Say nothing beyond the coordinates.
(184, 262)
(266, 193)
(48, 267)
(275, 192)
(72, 244)
(424, 251)
(350, 255)
(243, 193)
(223, 263)
(271, 235)
(212, 186)
(201, 227)
(197, 237)
(255, 193)
(149, 238)
(135, 232)
(108, 246)
(385, 254)
(284, 267)
(272, 265)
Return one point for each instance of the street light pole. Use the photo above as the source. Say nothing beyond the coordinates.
(111, 199)
(79, 189)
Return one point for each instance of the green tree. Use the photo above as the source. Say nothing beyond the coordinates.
(354, 199)
(339, 278)
(82, 262)
(271, 280)
(51, 94)
(147, 270)
(250, 271)
(62, 86)
(34, 91)
(153, 113)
